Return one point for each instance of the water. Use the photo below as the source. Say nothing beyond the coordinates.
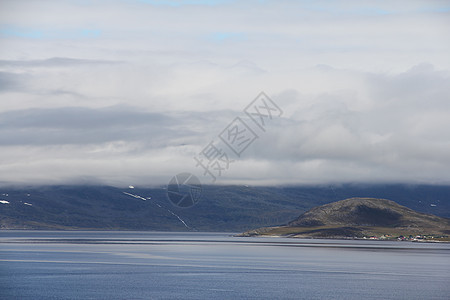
(156, 265)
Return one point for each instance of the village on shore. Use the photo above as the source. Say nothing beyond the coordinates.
(411, 238)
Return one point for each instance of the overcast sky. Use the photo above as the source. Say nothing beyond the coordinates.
(128, 92)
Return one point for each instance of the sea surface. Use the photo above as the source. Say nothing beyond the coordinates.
(161, 265)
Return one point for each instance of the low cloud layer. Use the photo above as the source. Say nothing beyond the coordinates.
(85, 98)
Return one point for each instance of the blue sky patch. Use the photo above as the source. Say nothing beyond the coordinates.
(9, 31)
(29, 33)
(176, 3)
(227, 36)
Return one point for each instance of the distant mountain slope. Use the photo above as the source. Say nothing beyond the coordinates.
(109, 208)
(360, 217)
(221, 208)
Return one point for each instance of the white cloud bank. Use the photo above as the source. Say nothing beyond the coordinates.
(122, 92)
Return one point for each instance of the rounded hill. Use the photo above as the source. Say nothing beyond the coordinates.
(366, 212)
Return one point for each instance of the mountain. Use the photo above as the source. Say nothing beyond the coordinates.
(221, 208)
(359, 218)
(230, 209)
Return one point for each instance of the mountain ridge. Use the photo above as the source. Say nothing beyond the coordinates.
(221, 208)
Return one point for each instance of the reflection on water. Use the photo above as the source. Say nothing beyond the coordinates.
(145, 265)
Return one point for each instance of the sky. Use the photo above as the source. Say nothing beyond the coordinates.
(129, 92)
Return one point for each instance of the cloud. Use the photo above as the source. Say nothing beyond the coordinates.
(11, 81)
(398, 134)
(130, 92)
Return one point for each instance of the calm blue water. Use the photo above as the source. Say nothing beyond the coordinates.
(155, 265)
